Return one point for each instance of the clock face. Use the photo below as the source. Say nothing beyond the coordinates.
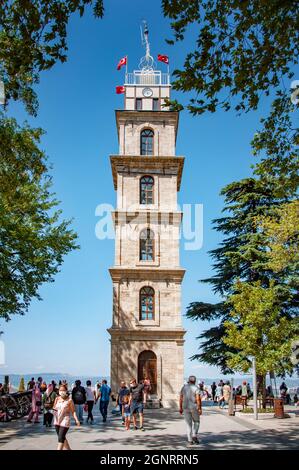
(147, 92)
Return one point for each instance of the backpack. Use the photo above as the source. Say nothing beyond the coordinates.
(78, 397)
(48, 403)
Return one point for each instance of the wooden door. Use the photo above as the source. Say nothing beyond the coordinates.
(147, 367)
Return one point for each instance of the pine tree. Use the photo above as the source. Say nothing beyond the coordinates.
(242, 255)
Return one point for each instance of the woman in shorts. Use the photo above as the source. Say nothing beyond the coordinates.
(63, 409)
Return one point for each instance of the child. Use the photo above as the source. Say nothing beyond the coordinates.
(127, 411)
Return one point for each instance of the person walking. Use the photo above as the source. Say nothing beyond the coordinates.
(226, 394)
(79, 398)
(90, 400)
(122, 392)
(36, 398)
(244, 390)
(213, 391)
(219, 394)
(63, 409)
(127, 411)
(105, 392)
(190, 407)
(31, 383)
(54, 385)
(48, 404)
(147, 389)
(136, 403)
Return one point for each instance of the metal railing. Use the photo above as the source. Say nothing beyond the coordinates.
(153, 77)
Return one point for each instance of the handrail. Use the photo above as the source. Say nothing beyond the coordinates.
(154, 77)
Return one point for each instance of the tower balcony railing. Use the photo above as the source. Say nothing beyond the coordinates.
(151, 77)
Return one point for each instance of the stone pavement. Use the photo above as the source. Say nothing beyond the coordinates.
(165, 430)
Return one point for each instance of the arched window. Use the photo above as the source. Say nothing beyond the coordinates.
(146, 190)
(147, 303)
(147, 240)
(147, 142)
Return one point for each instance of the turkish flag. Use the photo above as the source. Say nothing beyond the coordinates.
(122, 62)
(120, 89)
(163, 58)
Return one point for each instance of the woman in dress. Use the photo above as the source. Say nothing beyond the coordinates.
(35, 404)
(63, 408)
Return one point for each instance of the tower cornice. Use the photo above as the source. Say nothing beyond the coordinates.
(133, 163)
(122, 274)
(146, 333)
(125, 115)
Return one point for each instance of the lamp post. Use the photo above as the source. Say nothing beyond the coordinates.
(231, 410)
(255, 414)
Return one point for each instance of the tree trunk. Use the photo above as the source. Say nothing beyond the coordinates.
(261, 388)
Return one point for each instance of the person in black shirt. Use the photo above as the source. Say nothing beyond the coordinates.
(213, 390)
(79, 398)
(136, 402)
(31, 383)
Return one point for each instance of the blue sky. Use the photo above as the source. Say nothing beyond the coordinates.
(66, 332)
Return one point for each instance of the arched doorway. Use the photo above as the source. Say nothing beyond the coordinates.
(147, 367)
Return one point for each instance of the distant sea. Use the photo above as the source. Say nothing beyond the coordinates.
(14, 379)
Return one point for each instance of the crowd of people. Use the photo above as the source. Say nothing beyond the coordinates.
(58, 403)
(221, 393)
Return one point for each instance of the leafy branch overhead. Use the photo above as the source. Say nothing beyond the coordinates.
(33, 37)
(244, 50)
(33, 239)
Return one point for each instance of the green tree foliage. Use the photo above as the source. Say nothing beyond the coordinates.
(33, 37)
(282, 231)
(243, 50)
(277, 143)
(242, 255)
(257, 327)
(33, 240)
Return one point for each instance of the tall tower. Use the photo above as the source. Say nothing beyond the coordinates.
(147, 333)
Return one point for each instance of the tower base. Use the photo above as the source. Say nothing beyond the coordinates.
(151, 353)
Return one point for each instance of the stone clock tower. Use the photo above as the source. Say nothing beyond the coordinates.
(147, 333)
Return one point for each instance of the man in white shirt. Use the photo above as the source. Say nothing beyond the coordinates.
(190, 406)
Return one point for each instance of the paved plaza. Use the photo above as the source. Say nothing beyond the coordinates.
(165, 430)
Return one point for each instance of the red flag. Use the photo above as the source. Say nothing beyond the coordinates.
(122, 62)
(163, 58)
(120, 89)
